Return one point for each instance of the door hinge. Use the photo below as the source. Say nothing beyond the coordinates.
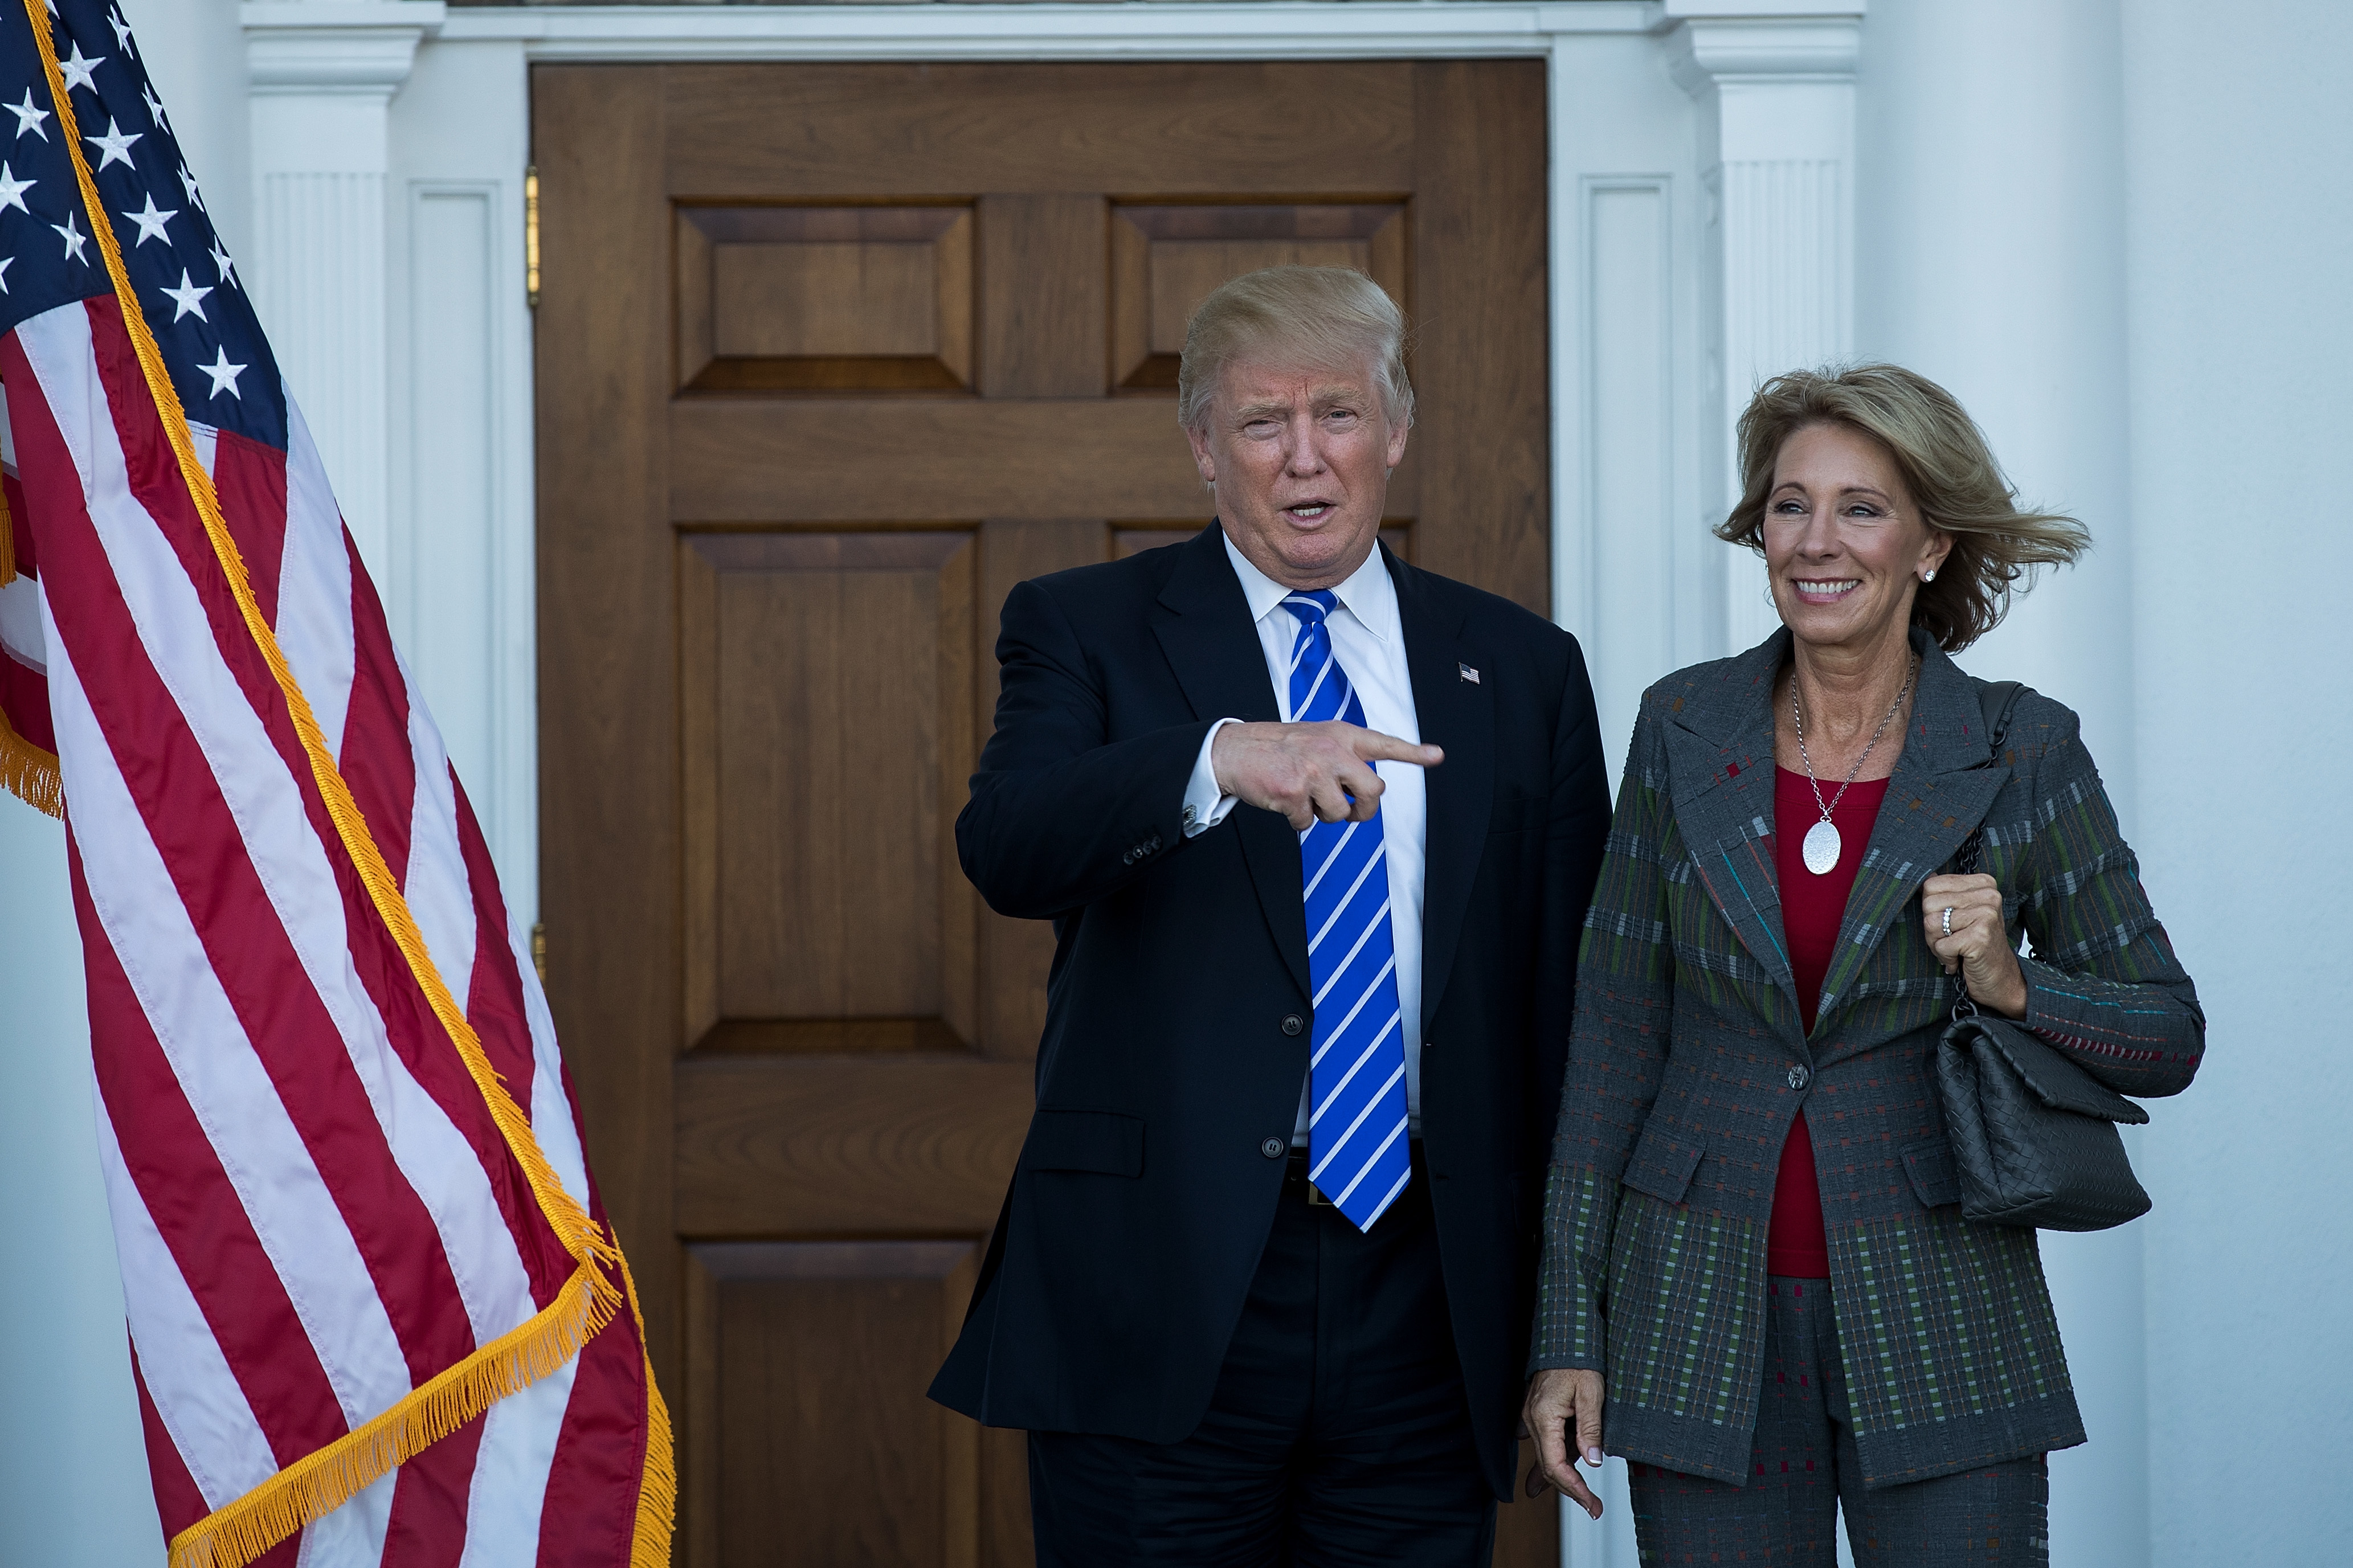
(531, 239)
(539, 949)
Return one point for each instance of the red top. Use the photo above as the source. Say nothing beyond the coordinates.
(1811, 909)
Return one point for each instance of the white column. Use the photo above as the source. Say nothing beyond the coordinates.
(1777, 159)
(323, 73)
(1991, 252)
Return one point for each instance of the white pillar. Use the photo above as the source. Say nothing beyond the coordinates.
(323, 73)
(1777, 158)
(1991, 260)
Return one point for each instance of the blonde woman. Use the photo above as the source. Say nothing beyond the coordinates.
(1756, 1284)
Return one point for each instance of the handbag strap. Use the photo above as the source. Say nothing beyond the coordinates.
(1995, 700)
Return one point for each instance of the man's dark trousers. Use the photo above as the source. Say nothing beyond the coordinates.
(1338, 1436)
(1179, 1014)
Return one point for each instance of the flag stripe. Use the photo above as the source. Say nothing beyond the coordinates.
(184, 997)
(494, 991)
(519, 1437)
(177, 1500)
(427, 1525)
(250, 480)
(598, 1455)
(314, 602)
(377, 759)
(212, 1243)
(200, 1402)
(418, 1100)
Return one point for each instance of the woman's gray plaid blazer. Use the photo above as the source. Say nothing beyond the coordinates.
(1688, 1062)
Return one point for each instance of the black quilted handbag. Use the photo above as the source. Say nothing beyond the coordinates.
(2034, 1135)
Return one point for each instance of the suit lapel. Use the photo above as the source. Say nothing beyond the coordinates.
(1720, 776)
(1943, 785)
(1203, 622)
(1458, 716)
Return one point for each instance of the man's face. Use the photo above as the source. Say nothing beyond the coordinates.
(1300, 460)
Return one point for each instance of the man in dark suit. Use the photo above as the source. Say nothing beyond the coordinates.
(1317, 831)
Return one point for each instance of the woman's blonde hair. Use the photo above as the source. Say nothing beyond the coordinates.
(1946, 467)
(1328, 317)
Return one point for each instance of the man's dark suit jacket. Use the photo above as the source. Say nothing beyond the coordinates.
(1176, 1023)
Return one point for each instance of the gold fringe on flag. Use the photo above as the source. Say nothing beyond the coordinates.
(7, 542)
(280, 1498)
(29, 773)
(320, 1482)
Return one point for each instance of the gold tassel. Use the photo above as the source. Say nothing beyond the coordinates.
(27, 772)
(7, 542)
(658, 1482)
(318, 1483)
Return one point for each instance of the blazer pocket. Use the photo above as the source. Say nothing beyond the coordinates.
(1935, 1177)
(1103, 1141)
(1664, 1163)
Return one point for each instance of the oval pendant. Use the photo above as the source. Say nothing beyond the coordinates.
(1821, 848)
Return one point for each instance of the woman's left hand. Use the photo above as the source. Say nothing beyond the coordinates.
(1980, 945)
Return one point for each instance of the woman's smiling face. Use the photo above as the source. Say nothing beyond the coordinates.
(1842, 544)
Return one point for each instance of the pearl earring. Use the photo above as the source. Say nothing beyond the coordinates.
(1929, 575)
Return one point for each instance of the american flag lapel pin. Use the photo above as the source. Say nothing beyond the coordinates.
(1469, 674)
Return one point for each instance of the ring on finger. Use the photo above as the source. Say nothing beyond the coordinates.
(1948, 920)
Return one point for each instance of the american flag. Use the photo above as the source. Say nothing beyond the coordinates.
(375, 1313)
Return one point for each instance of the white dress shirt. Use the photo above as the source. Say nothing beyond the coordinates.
(1368, 640)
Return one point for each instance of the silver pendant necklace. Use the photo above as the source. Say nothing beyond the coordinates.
(1822, 846)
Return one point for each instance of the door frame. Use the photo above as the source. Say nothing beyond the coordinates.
(1699, 235)
(1690, 141)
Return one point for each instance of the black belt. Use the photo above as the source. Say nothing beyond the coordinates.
(1296, 1168)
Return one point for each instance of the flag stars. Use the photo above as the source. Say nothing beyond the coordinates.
(121, 33)
(28, 117)
(11, 190)
(226, 267)
(76, 70)
(188, 298)
(224, 375)
(151, 222)
(155, 115)
(188, 183)
(70, 231)
(5, 263)
(114, 144)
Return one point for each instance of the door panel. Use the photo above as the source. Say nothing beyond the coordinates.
(829, 358)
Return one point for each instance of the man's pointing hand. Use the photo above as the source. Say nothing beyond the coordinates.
(1310, 773)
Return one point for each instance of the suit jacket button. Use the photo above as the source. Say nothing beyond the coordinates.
(1293, 1022)
(1799, 1077)
(1274, 1148)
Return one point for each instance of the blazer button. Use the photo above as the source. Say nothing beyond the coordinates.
(1293, 1022)
(1274, 1148)
(1799, 1077)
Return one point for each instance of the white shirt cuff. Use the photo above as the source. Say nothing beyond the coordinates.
(1204, 807)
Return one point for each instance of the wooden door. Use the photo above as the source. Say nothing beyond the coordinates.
(829, 358)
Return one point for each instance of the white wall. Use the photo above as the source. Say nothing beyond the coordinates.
(1990, 258)
(2240, 344)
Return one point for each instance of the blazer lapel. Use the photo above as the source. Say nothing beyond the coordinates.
(1458, 716)
(1720, 776)
(1943, 785)
(1204, 626)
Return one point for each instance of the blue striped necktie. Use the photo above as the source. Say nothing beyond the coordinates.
(1356, 1148)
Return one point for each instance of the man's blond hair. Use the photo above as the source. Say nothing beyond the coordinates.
(1330, 317)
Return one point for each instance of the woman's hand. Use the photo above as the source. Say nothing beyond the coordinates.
(1561, 1402)
(1980, 945)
